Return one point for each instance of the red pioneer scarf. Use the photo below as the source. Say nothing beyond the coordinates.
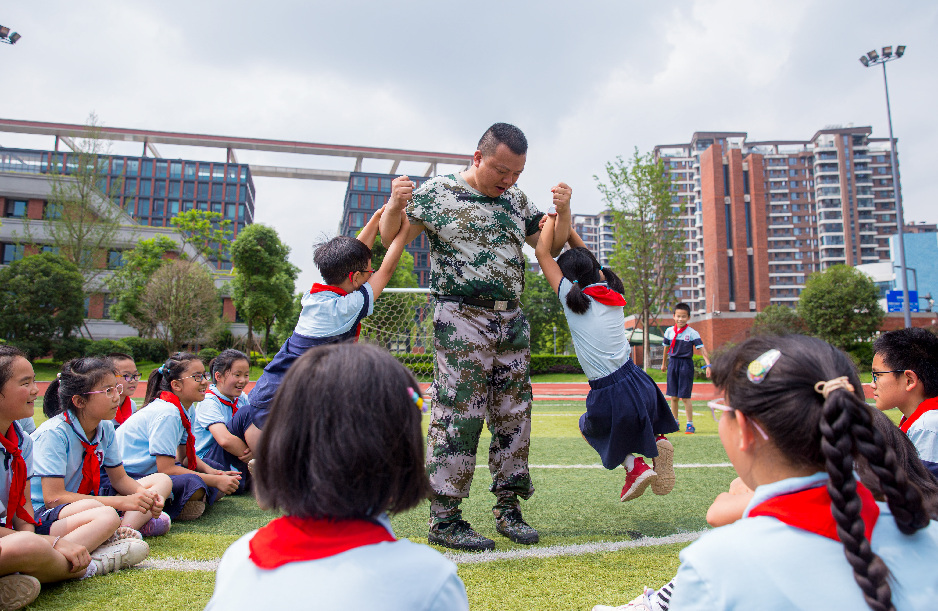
(125, 411)
(605, 295)
(810, 510)
(328, 288)
(225, 401)
(90, 465)
(291, 539)
(190, 439)
(674, 339)
(925, 406)
(16, 504)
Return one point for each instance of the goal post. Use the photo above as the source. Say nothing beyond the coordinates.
(402, 323)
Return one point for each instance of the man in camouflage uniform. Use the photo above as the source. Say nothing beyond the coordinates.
(477, 222)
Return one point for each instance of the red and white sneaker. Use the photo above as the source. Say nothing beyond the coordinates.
(636, 480)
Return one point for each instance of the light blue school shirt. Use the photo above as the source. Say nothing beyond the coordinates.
(687, 340)
(763, 563)
(57, 452)
(155, 430)
(212, 411)
(391, 576)
(923, 433)
(326, 314)
(27, 424)
(599, 337)
(26, 451)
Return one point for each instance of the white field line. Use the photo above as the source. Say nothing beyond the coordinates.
(535, 414)
(694, 465)
(576, 549)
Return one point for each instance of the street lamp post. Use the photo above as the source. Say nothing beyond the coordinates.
(870, 59)
(7, 37)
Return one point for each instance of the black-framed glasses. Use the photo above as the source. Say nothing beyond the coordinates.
(198, 377)
(367, 271)
(131, 377)
(876, 374)
(110, 392)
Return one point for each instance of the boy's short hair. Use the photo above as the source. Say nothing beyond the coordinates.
(119, 356)
(503, 133)
(915, 349)
(340, 256)
(343, 439)
(682, 306)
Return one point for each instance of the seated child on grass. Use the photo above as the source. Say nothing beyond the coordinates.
(219, 432)
(158, 438)
(342, 448)
(905, 376)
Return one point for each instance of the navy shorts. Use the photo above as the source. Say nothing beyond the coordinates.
(46, 517)
(680, 378)
(218, 455)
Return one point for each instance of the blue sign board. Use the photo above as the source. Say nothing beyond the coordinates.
(894, 301)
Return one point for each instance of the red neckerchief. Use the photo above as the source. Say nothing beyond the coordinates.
(328, 288)
(190, 440)
(124, 412)
(604, 295)
(925, 406)
(225, 401)
(810, 510)
(90, 465)
(674, 339)
(16, 504)
(292, 539)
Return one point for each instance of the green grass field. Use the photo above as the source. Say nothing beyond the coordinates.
(575, 503)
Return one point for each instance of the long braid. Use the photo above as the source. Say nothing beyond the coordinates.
(837, 444)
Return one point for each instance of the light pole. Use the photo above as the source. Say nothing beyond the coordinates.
(7, 37)
(870, 59)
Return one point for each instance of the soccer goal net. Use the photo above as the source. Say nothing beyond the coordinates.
(402, 323)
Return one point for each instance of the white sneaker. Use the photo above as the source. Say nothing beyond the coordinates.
(641, 603)
(124, 532)
(17, 591)
(121, 555)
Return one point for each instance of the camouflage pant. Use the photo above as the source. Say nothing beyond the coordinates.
(482, 368)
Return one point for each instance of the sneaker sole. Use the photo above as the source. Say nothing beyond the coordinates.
(192, 510)
(638, 488)
(484, 546)
(664, 467)
(17, 591)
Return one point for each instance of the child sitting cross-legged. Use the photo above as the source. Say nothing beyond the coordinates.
(342, 448)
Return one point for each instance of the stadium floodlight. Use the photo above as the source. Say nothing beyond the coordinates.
(873, 58)
(7, 37)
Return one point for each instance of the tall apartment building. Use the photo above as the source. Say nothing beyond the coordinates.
(596, 230)
(153, 191)
(759, 217)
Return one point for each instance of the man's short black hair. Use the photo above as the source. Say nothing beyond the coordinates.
(343, 439)
(503, 133)
(339, 257)
(915, 349)
(682, 306)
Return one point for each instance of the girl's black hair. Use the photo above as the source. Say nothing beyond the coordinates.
(343, 439)
(581, 268)
(825, 434)
(78, 377)
(8, 354)
(225, 361)
(172, 369)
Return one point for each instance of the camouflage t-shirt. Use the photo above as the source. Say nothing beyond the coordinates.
(475, 241)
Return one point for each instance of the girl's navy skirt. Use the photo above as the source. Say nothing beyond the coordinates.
(625, 410)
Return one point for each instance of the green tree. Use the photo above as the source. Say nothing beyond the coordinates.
(128, 282)
(777, 320)
(649, 250)
(287, 319)
(543, 310)
(841, 306)
(264, 280)
(181, 303)
(81, 220)
(208, 232)
(41, 302)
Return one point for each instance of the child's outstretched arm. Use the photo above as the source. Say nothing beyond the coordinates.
(402, 191)
(542, 251)
(370, 231)
(706, 357)
(380, 278)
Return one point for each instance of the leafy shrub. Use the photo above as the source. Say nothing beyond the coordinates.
(861, 354)
(146, 349)
(104, 347)
(67, 348)
(207, 354)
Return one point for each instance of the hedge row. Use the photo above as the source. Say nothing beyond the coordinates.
(422, 364)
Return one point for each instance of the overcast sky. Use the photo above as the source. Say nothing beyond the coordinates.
(585, 81)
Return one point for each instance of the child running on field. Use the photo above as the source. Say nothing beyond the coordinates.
(79, 475)
(626, 414)
(126, 370)
(332, 312)
(159, 438)
(342, 448)
(219, 435)
(680, 341)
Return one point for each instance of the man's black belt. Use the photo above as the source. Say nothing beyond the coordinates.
(498, 306)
